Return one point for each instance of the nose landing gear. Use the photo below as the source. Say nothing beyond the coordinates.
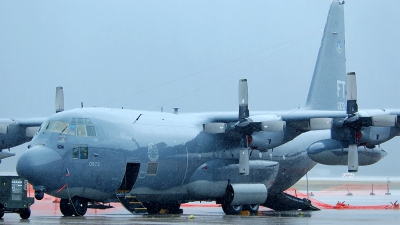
(75, 206)
(39, 195)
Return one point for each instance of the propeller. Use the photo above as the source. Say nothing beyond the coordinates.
(352, 121)
(243, 115)
(59, 99)
(356, 121)
(250, 128)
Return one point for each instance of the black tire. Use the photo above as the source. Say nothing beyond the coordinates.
(251, 208)
(232, 209)
(152, 207)
(66, 207)
(25, 213)
(79, 206)
(39, 195)
(1, 214)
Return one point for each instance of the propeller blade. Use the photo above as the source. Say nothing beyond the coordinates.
(244, 167)
(59, 99)
(352, 158)
(244, 162)
(351, 93)
(243, 99)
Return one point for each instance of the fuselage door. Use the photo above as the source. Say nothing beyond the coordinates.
(130, 176)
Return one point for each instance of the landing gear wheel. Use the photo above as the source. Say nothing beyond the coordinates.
(39, 195)
(79, 206)
(25, 213)
(152, 207)
(252, 208)
(66, 207)
(232, 209)
(173, 208)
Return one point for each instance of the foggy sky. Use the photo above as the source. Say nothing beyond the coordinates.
(189, 54)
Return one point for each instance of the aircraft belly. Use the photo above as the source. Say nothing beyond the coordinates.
(89, 193)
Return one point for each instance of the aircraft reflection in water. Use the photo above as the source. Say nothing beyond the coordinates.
(89, 156)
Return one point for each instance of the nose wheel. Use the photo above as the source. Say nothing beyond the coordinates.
(75, 206)
(39, 195)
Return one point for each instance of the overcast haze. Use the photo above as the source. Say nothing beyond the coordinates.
(190, 54)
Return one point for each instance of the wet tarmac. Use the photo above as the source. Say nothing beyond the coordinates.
(353, 212)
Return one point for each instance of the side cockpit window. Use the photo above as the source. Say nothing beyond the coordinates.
(82, 127)
(80, 151)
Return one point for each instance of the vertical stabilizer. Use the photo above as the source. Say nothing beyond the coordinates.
(327, 90)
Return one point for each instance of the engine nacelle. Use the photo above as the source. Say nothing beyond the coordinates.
(264, 140)
(374, 135)
(333, 152)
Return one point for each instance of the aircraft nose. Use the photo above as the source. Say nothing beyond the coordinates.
(41, 166)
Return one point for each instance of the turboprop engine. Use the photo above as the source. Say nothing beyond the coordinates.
(333, 152)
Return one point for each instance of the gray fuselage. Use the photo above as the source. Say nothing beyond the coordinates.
(85, 152)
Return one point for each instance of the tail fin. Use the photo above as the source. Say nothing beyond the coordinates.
(327, 90)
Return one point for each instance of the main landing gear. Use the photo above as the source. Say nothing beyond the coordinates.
(236, 209)
(75, 206)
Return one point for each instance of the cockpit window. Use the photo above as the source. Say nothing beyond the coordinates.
(50, 126)
(81, 130)
(87, 121)
(79, 120)
(43, 127)
(91, 132)
(72, 129)
(82, 127)
(61, 127)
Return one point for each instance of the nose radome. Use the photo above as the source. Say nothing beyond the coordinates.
(41, 166)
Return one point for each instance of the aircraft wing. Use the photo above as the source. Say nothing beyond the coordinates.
(280, 127)
(14, 132)
(6, 155)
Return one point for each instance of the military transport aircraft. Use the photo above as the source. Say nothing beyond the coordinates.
(91, 156)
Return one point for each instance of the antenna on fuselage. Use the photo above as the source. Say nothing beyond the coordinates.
(81, 104)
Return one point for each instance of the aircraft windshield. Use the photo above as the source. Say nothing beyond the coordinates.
(82, 127)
